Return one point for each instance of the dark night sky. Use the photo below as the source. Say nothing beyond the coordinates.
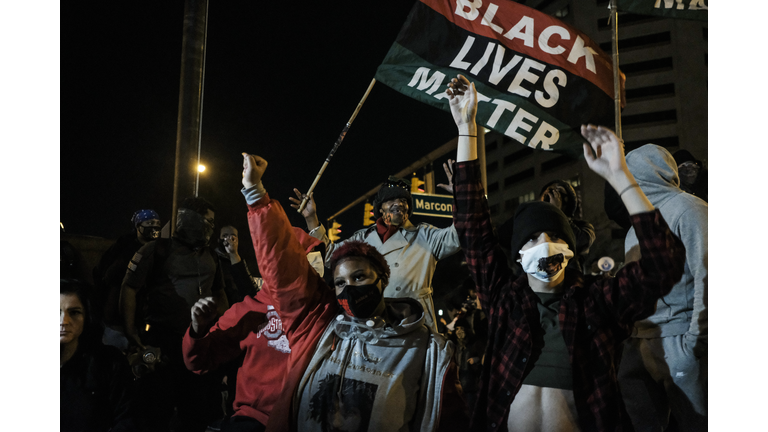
(281, 81)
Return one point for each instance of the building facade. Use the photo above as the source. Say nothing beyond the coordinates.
(665, 63)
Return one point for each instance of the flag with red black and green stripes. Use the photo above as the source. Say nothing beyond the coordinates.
(538, 79)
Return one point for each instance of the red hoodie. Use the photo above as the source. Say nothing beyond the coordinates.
(254, 327)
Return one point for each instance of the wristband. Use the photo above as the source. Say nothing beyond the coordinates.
(628, 188)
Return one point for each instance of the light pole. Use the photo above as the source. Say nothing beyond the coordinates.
(191, 83)
(200, 168)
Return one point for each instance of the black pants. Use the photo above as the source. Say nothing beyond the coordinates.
(242, 424)
(172, 398)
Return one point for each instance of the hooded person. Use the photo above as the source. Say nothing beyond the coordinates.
(358, 360)
(693, 175)
(664, 365)
(412, 251)
(554, 333)
(165, 278)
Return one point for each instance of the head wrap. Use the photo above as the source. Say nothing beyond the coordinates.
(358, 249)
(143, 215)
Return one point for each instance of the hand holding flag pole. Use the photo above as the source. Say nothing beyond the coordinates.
(335, 147)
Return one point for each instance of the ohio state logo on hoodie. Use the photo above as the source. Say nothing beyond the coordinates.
(273, 331)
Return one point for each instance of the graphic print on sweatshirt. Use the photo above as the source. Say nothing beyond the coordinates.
(273, 331)
(342, 405)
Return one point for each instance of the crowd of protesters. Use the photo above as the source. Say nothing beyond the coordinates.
(177, 335)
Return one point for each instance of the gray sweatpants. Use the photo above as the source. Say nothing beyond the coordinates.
(660, 376)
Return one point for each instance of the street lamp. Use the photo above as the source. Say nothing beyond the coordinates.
(200, 168)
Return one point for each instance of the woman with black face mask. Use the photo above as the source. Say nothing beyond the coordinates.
(358, 361)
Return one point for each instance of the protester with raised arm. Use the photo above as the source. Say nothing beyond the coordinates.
(358, 361)
(663, 371)
(253, 329)
(412, 251)
(554, 332)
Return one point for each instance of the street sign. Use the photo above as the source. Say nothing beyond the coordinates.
(432, 205)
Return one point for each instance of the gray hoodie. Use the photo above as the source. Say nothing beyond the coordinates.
(390, 379)
(684, 309)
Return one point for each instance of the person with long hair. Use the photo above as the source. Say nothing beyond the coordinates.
(96, 384)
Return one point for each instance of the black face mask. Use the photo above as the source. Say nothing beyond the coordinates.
(360, 301)
(149, 233)
(192, 228)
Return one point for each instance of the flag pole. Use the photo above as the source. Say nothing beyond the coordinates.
(335, 147)
(614, 19)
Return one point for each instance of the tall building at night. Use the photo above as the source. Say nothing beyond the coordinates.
(665, 63)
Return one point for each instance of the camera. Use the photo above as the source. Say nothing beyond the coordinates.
(469, 305)
(145, 361)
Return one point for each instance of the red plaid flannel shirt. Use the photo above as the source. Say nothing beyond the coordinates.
(596, 314)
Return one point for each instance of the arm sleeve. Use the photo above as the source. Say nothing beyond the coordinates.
(633, 293)
(692, 229)
(243, 281)
(140, 266)
(441, 407)
(443, 242)
(218, 279)
(222, 342)
(289, 280)
(486, 262)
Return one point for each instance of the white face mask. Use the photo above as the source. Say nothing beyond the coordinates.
(546, 256)
(316, 261)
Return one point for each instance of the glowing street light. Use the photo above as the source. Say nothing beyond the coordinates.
(200, 168)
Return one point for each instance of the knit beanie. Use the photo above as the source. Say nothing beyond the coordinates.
(533, 217)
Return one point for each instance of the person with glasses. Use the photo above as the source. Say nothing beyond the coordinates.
(411, 250)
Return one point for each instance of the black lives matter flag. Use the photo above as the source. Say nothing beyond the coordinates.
(538, 79)
(684, 9)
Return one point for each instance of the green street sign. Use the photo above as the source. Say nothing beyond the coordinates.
(432, 205)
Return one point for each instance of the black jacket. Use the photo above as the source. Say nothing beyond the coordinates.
(96, 391)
